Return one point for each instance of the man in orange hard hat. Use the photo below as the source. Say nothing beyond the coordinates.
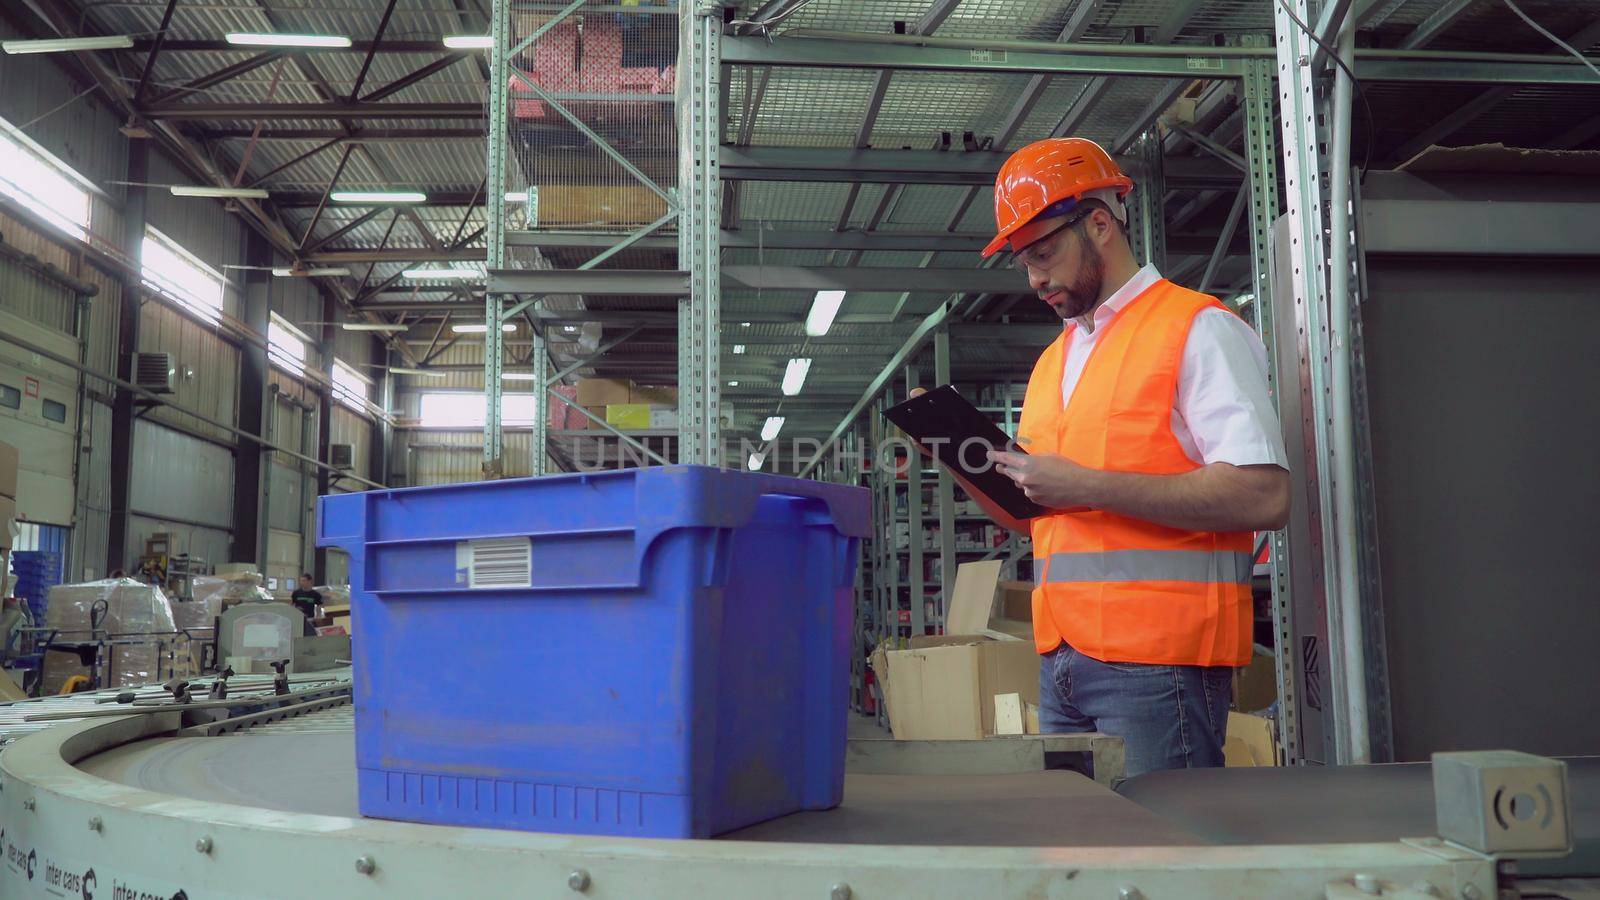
(1148, 435)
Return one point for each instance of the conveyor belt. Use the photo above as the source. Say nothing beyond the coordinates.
(1353, 804)
(307, 764)
(284, 790)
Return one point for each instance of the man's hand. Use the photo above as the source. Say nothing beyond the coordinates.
(1051, 481)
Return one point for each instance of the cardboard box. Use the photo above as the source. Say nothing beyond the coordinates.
(1014, 601)
(9, 461)
(1014, 715)
(1250, 742)
(977, 605)
(8, 511)
(654, 396)
(594, 392)
(972, 601)
(571, 205)
(663, 417)
(561, 415)
(628, 416)
(581, 421)
(1255, 687)
(944, 689)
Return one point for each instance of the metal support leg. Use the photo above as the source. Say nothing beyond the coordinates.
(1307, 261)
(889, 612)
(495, 210)
(118, 552)
(1346, 545)
(946, 491)
(699, 229)
(1146, 217)
(1261, 153)
(915, 517)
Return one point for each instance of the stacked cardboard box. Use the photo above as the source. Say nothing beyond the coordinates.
(561, 415)
(131, 609)
(625, 405)
(8, 494)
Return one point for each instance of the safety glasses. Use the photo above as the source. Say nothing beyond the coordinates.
(1042, 253)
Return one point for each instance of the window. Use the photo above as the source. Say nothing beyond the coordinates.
(55, 412)
(180, 275)
(39, 182)
(10, 397)
(286, 345)
(464, 410)
(349, 386)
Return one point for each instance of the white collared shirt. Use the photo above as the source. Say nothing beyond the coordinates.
(1222, 412)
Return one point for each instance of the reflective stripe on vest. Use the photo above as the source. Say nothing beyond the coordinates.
(1214, 567)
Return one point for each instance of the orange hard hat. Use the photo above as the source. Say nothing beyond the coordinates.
(1043, 177)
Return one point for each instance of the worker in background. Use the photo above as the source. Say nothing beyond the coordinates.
(1148, 434)
(307, 598)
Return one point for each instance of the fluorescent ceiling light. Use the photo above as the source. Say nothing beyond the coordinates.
(378, 197)
(372, 326)
(480, 329)
(738, 348)
(188, 190)
(468, 41)
(771, 429)
(823, 308)
(734, 383)
(65, 45)
(744, 324)
(426, 373)
(263, 39)
(755, 460)
(312, 273)
(795, 375)
(516, 196)
(519, 376)
(436, 274)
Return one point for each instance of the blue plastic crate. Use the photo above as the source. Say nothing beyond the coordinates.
(658, 652)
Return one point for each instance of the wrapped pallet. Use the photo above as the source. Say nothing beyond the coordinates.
(135, 628)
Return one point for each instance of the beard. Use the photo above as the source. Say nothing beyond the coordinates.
(1084, 292)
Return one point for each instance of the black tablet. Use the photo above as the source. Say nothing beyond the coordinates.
(961, 436)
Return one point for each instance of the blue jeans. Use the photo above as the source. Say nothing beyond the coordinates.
(1169, 717)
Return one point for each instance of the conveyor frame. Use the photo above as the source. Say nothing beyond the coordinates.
(62, 824)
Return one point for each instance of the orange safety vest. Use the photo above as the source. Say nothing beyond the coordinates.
(1117, 588)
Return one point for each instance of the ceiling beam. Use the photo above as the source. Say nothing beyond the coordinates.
(845, 50)
(917, 52)
(731, 240)
(873, 278)
(368, 135)
(927, 167)
(227, 73)
(216, 46)
(643, 282)
(338, 109)
(405, 81)
(1436, 24)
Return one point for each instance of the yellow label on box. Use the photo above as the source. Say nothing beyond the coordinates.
(628, 416)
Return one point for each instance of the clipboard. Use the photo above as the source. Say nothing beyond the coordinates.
(964, 435)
